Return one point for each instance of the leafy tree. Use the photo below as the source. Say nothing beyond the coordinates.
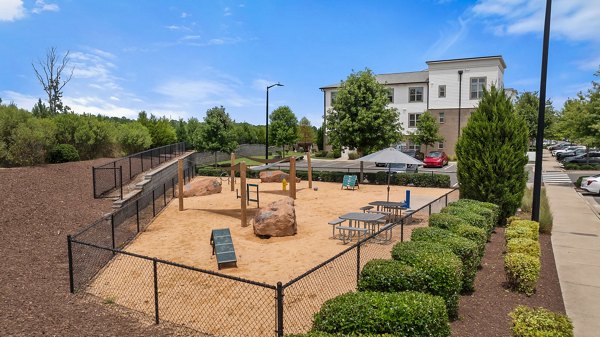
(51, 77)
(428, 131)
(40, 109)
(306, 133)
(284, 127)
(246, 133)
(527, 106)
(161, 130)
(216, 134)
(360, 117)
(133, 137)
(491, 154)
(181, 131)
(320, 139)
(31, 141)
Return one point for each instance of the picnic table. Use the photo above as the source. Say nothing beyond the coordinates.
(393, 207)
(358, 223)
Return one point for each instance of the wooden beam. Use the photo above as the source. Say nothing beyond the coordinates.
(180, 183)
(309, 170)
(243, 192)
(232, 178)
(293, 177)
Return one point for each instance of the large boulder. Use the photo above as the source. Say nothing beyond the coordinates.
(201, 187)
(275, 177)
(276, 219)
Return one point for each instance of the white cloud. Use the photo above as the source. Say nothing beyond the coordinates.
(94, 66)
(184, 15)
(21, 100)
(177, 27)
(448, 38)
(227, 11)
(589, 64)
(11, 10)
(571, 19)
(42, 6)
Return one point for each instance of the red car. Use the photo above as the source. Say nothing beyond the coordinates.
(435, 159)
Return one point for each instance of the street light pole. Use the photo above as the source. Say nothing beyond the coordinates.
(460, 72)
(267, 118)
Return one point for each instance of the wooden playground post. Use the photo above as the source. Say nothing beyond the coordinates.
(232, 182)
(293, 177)
(243, 192)
(309, 170)
(180, 183)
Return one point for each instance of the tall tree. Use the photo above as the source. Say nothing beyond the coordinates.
(306, 133)
(428, 131)
(360, 117)
(216, 134)
(527, 106)
(284, 127)
(491, 154)
(51, 77)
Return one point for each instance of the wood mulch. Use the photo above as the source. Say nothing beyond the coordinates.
(40, 205)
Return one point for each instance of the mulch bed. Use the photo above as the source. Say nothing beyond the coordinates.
(39, 206)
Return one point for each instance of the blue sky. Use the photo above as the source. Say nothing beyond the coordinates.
(180, 58)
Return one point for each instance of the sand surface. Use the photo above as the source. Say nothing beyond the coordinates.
(196, 300)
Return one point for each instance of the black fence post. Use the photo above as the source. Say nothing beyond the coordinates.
(153, 206)
(154, 265)
(173, 186)
(121, 180)
(70, 253)
(279, 309)
(129, 167)
(357, 262)
(446, 199)
(142, 160)
(94, 180)
(115, 172)
(112, 230)
(165, 193)
(137, 214)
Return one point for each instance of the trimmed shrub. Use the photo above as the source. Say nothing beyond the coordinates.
(353, 155)
(465, 249)
(325, 334)
(492, 153)
(63, 153)
(533, 225)
(401, 314)
(445, 221)
(439, 263)
(525, 246)
(486, 209)
(520, 232)
(511, 219)
(539, 322)
(522, 272)
(390, 276)
(474, 234)
(471, 218)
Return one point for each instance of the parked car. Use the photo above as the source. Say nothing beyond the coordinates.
(435, 159)
(558, 146)
(568, 148)
(591, 184)
(415, 154)
(403, 168)
(594, 158)
(562, 155)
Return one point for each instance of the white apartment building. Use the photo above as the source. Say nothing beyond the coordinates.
(449, 89)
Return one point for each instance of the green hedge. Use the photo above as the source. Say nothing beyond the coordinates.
(525, 246)
(325, 334)
(482, 208)
(407, 314)
(445, 221)
(439, 263)
(521, 232)
(575, 166)
(522, 272)
(539, 322)
(471, 218)
(488, 214)
(533, 225)
(465, 249)
(474, 234)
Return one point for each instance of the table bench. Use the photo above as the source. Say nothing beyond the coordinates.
(347, 233)
(333, 224)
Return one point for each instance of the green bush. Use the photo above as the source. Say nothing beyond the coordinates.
(465, 249)
(441, 265)
(325, 334)
(445, 221)
(321, 154)
(330, 155)
(520, 232)
(575, 166)
(533, 225)
(401, 314)
(482, 208)
(539, 322)
(353, 155)
(522, 272)
(511, 219)
(471, 218)
(492, 153)
(525, 246)
(63, 153)
(30, 142)
(474, 234)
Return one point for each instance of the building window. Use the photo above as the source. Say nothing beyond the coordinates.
(415, 94)
(390, 93)
(442, 117)
(441, 91)
(413, 120)
(477, 85)
(333, 95)
(440, 145)
(411, 146)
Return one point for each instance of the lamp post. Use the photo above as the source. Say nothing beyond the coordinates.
(267, 117)
(460, 72)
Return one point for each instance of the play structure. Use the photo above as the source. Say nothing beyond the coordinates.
(222, 247)
(252, 194)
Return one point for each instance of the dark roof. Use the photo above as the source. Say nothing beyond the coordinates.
(395, 78)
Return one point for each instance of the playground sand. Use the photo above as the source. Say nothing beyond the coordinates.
(184, 237)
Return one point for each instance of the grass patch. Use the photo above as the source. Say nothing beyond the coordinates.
(545, 213)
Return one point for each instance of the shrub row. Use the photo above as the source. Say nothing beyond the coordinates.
(530, 322)
(574, 166)
(471, 218)
(401, 314)
(465, 249)
(461, 228)
(522, 261)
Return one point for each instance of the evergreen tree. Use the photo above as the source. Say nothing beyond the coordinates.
(491, 154)
(428, 131)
